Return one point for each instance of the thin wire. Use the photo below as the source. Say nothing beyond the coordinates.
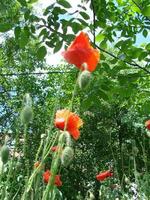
(35, 73)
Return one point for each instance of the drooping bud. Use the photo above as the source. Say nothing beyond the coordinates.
(4, 154)
(84, 79)
(67, 156)
(26, 115)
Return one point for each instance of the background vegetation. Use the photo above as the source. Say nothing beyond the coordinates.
(114, 107)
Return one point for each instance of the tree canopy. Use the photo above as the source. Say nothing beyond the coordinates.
(114, 106)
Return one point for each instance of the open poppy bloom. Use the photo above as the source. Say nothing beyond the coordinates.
(69, 121)
(81, 51)
(103, 175)
(147, 124)
(46, 176)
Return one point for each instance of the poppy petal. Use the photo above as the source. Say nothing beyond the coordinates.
(75, 134)
(60, 123)
(80, 51)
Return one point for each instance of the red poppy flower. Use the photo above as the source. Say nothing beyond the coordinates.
(54, 148)
(69, 121)
(147, 124)
(81, 51)
(102, 176)
(47, 175)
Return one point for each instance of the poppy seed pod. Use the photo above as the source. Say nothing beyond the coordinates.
(26, 115)
(84, 79)
(4, 154)
(67, 156)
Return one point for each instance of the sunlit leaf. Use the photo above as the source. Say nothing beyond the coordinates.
(41, 53)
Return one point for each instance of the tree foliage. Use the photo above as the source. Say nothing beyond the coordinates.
(114, 106)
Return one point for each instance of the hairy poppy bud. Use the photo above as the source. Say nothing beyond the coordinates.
(67, 156)
(26, 114)
(84, 79)
(4, 154)
(61, 138)
(127, 181)
(27, 101)
(1, 166)
(135, 150)
(68, 138)
(148, 134)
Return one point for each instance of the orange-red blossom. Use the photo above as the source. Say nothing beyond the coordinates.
(80, 51)
(104, 175)
(47, 174)
(147, 124)
(69, 121)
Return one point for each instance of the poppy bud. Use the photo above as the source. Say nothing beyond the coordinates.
(27, 101)
(127, 181)
(4, 154)
(84, 79)
(91, 196)
(85, 66)
(26, 114)
(148, 134)
(135, 150)
(67, 156)
(68, 138)
(1, 166)
(61, 138)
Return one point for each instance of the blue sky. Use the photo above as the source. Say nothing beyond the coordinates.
(140, 39)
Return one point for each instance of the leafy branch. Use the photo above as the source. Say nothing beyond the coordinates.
(133, 63)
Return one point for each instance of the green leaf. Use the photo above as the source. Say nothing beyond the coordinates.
(64, 3)
(84, 15)
(103, 44)
(76, 27)
(22, 2)
(17, 32)
(103, 95)
(58, 46)
(41, 53)
(32, 1)
(5, 27)
(148, 47)
(83, 22)
(48, 9)
(44, 33)
(146, 11)
(27, 14)
(120, 2)
(24, 37)
(145, 33)
(100, 37)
